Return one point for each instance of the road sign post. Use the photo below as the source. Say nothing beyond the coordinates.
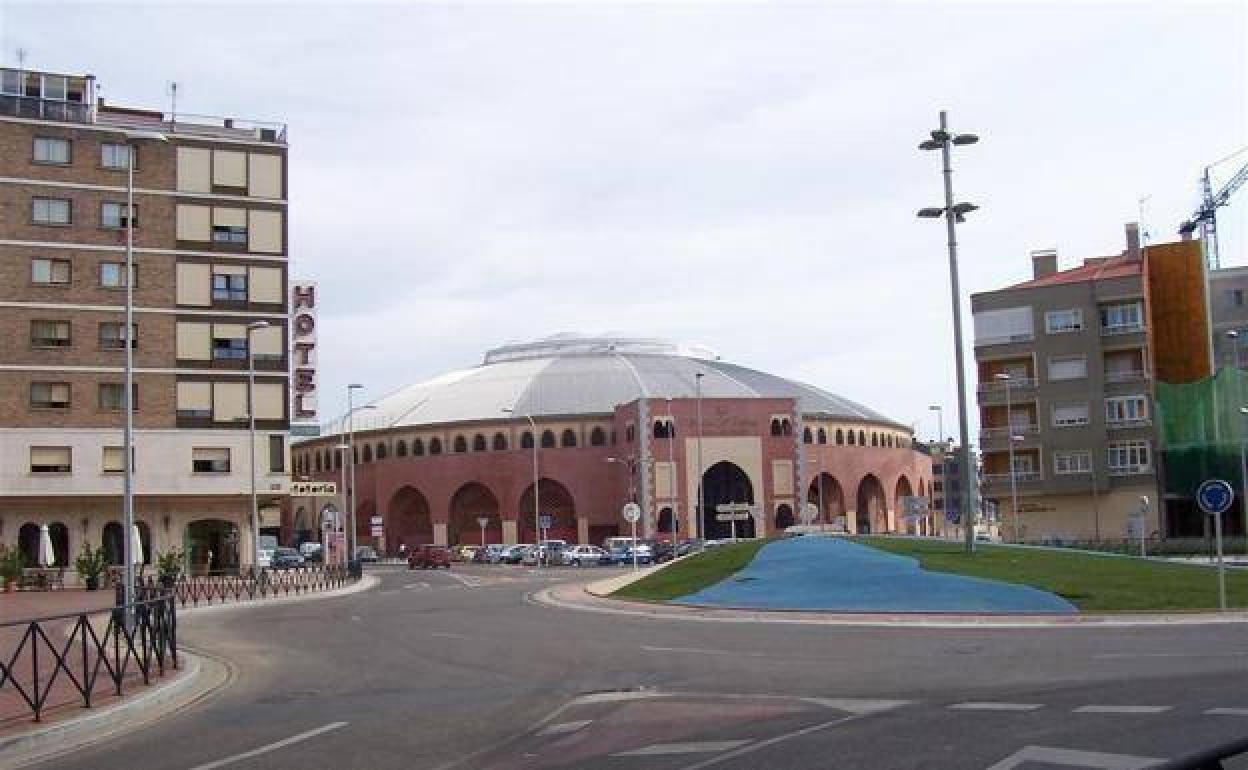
(1214, 497)
(482, 521)
(732, 513)
(632, 514)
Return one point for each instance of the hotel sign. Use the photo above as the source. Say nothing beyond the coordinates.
(303, 351)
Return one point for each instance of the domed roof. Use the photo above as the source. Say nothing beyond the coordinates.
(570, 374)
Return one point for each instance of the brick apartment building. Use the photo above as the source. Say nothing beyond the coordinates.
(210, 250)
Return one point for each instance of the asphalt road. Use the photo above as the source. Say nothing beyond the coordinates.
(433, 670)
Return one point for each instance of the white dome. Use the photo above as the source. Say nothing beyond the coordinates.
(570, 374)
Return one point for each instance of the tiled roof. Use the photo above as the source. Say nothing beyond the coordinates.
(1097, 269)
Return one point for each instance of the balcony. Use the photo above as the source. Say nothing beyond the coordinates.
(46, 109)
(1132, 375)
(1019, 477)
(1141, 422)
(1129, 470)
(1015, 383)
(1117, 329)
(1000, 435)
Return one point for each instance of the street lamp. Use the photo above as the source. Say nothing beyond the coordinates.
(344, 449)
(1018, 530)
(127, 495)
(1009, 426)
(1233, 335)
(349, 498)
(674, 523)
(1243, 477)
(251, 423)
(944, 465)
(942, 139)
(537, 508)
(699, 525)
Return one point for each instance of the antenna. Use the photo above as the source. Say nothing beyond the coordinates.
(21, 58)
(173, 101)
(1145, 237)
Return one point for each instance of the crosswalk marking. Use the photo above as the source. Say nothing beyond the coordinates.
(699, 747)
(563, 727)
(1122, 709)
(995, 706)
(1228, 712)
(1073, 758)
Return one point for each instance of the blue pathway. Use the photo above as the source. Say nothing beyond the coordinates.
(830, 573)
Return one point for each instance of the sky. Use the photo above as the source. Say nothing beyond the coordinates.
(742, 176)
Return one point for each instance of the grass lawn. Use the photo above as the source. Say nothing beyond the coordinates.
(693, 573)
(1093, 583)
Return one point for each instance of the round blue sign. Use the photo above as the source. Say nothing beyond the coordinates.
(1214, 496)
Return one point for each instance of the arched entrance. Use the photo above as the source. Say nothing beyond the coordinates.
(666, 518)
(211, 545)
(303, 526)
(28, 543)
(145, 538)
(60, 543)
(725, 482)
(872, 512)
(472, 501)
(784, 516)
(407, 519)
(825, 492)
(113, 542)
(903, 490)
(556, 501)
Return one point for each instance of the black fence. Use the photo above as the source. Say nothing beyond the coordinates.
(76, 658)
(259, 584)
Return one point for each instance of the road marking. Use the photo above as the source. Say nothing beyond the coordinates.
(1115, 655)
(772, 741)
(1074, 758)
(859, 705)
(616, 697)
(995, 706)
(446, 635)
(663, 749)
(271, 746)
(355, 618)
(701, 651)
(418, 586)
(563, 727)
(1122, 709)
(468, 581)
(1228, 712)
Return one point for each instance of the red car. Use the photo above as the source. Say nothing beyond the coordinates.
(429, 557)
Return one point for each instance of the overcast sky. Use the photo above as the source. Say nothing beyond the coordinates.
(742, 176)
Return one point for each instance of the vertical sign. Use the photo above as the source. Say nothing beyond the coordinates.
(303, 351)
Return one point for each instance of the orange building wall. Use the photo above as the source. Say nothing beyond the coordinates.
(1175, 302)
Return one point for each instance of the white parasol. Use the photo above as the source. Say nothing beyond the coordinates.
(47, 557)
(136, 545)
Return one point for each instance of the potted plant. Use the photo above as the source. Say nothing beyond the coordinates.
(169, 567)
(90, 564)
(11, 563)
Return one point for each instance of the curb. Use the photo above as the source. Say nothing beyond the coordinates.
(592, 602)
(199, 677)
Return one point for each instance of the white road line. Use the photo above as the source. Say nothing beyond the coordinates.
(468, 581)
(701, 651)
(446, 635)
(859, 705)
(1122, 709)
(1074, 758)
(418, 586)
(563, 727)
(663, 749)
(1228, 712)
(271, 746)
(1116, 655)
(995, 706)
(772, 741)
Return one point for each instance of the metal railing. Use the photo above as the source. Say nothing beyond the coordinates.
(1005, 431)
(1131, 375)
(1138, 422)
(998, 386)
(45, 109)
(1155, 545)
(80, 657)
(1116, 329)
(1019, 476)
(261, 584)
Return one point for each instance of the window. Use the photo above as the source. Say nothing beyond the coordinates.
(229, 348)
(116, 156)
(231, 287)
(435, 446)
(49, 395)
(51, 150)
(822, 436)
(229, 233)
(807, 436)
(775, 427)
(418, 448)
(1061, 321)
(938, 469)
(277, 453)
(568, 439)
(1124, 457)
(210, 460)
(1065, 415)
(113, 215)
(1023, 464)
(852, 440)
(526, 440)
(50, 211)
(51, 459)
(548, 439)
(50, 271)
(111, 396)
(381, 451)
(49, 334)
(938, 486)
(1126, 409)
(461, 444)
(1235, 297)
(478, 443)
(113, 460)
(112, 335)
(400, 448)
(840, 436)
(500, 442)
(995, 327)
(1068, 368)
(862, 438)
(113, 275)
(1122, 318)
(1066, 463)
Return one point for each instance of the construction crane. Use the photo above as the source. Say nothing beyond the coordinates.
(1206, 217)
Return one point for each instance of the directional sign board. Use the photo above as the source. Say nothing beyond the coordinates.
(733, 512)
(736, 516)
(545, 520)
(1214, 496)
(631, 513)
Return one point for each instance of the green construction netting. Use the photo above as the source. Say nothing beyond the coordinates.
(1202, 429)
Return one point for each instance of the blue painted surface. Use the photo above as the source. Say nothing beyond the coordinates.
(830, 573)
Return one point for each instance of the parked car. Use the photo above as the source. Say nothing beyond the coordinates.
(620, 554)
(492, 553)
(663, 550)
(284, 558)
(580, 555)
(644, 552)
(365, 553)
(307, 549)
(692, 545)
(515, 554)
(429, 557)
(465, 552)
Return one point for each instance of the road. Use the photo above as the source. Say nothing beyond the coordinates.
(460, 669)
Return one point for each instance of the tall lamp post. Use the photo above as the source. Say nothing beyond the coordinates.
(344, 450)
(349, 500)
(127, 439)
(537, 508)
(251, 424)
(674, 523)
(944, 464)
(942, 139)
(1243, 443)
(698, 524)
(1009, 427)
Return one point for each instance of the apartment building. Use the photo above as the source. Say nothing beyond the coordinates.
(1065, 365)
(210, 298)
(950, 489)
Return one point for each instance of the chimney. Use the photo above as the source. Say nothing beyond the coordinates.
(1043, 262)
(1133, 242)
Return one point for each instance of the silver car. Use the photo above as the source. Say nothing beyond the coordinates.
(580, 555)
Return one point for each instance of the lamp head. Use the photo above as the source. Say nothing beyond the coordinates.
(964, 208)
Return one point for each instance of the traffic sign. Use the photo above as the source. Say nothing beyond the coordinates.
(1214, 496)
(734, 507)
(733, 516)
(810, 512)
(544, 521)
(313, 489)
(377, 531)
(482, 521)
(376, 521)
(329, 516)
(631, 513)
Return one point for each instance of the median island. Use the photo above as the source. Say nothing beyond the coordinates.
(887, 574)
